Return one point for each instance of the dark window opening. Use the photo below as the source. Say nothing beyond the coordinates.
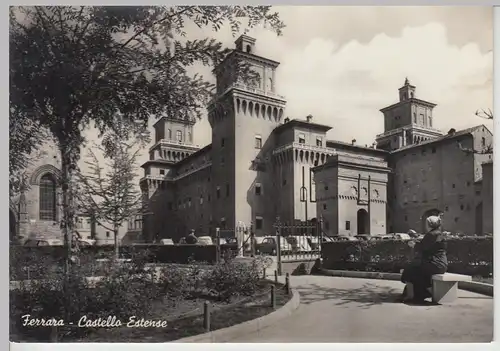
(347, 225)
(258, 223)
(258, 189)
(48, 198)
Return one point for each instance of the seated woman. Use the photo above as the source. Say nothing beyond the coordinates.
(432, 260)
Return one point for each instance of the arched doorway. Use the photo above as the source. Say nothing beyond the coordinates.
(427, 214)
(12, 226)
(363, 221)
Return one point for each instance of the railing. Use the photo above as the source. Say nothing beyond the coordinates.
(175, 143)
(412, 125)
(306, 147)
(180, 176)
(243, 87)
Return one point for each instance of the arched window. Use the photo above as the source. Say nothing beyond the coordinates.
(170, 133)
(47, 198)
(249, 49)
(190, 137)
(179, 136)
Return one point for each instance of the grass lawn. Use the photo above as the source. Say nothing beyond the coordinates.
(223, 315)
(184, 318)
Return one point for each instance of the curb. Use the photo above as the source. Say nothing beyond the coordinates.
(476, 287)
(248, 327)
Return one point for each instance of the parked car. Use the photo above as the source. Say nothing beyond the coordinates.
(402, 236)
(268, 246)
(205, 240)
(86, 242)
(299, 244)
(363, 237)
(166, 242)
(345, 238)
(43, 242)
(314, 242)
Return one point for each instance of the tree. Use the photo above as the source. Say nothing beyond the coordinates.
(25, 137)
(484, 114)
(110, 193)
(71, 67)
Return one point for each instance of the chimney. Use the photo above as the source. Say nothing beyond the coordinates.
(452, 131)
(308, 118)
(353, 141)
(287, 120)
(374, 145)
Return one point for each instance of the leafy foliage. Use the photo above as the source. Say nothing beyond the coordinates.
(108, 192)
(465, 255)
(233, 279)
(71, 67)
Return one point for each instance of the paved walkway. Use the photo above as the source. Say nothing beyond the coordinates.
(363, 310)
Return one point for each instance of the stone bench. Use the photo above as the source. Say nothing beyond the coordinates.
(445, 286)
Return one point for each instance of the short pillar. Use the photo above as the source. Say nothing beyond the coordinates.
(444, 292)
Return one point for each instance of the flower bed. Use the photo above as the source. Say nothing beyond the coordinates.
(235, 289)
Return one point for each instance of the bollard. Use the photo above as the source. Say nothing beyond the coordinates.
(276, 276)
(206, 316)
(264, 273)
(287, 284)
(273, 297)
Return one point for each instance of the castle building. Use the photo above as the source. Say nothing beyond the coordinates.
(261, 165)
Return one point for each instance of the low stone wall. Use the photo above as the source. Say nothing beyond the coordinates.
(479, 288)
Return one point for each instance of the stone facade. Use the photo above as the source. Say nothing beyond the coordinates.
(29, 218)
(261, 166)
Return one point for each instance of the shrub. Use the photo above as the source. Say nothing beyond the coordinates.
(466, 255)
(232, 279)
(124, 291)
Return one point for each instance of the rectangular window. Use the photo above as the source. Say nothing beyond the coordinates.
(319, 141)
(324, 206)
(107, 234)
(258, 142)
(222, 142)
(284, 182)
(223, 223)
(222, 161)
(258, 189)
(218, 192)
(258, 223)
(312, 187)
(162, 172)
(347, 225)
(302, 138)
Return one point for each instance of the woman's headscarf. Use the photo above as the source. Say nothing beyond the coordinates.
(434, 222)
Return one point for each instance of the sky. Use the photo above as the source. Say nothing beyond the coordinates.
(343, 64)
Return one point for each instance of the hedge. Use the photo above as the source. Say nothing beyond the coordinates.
(467, 255)
(52, 257)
